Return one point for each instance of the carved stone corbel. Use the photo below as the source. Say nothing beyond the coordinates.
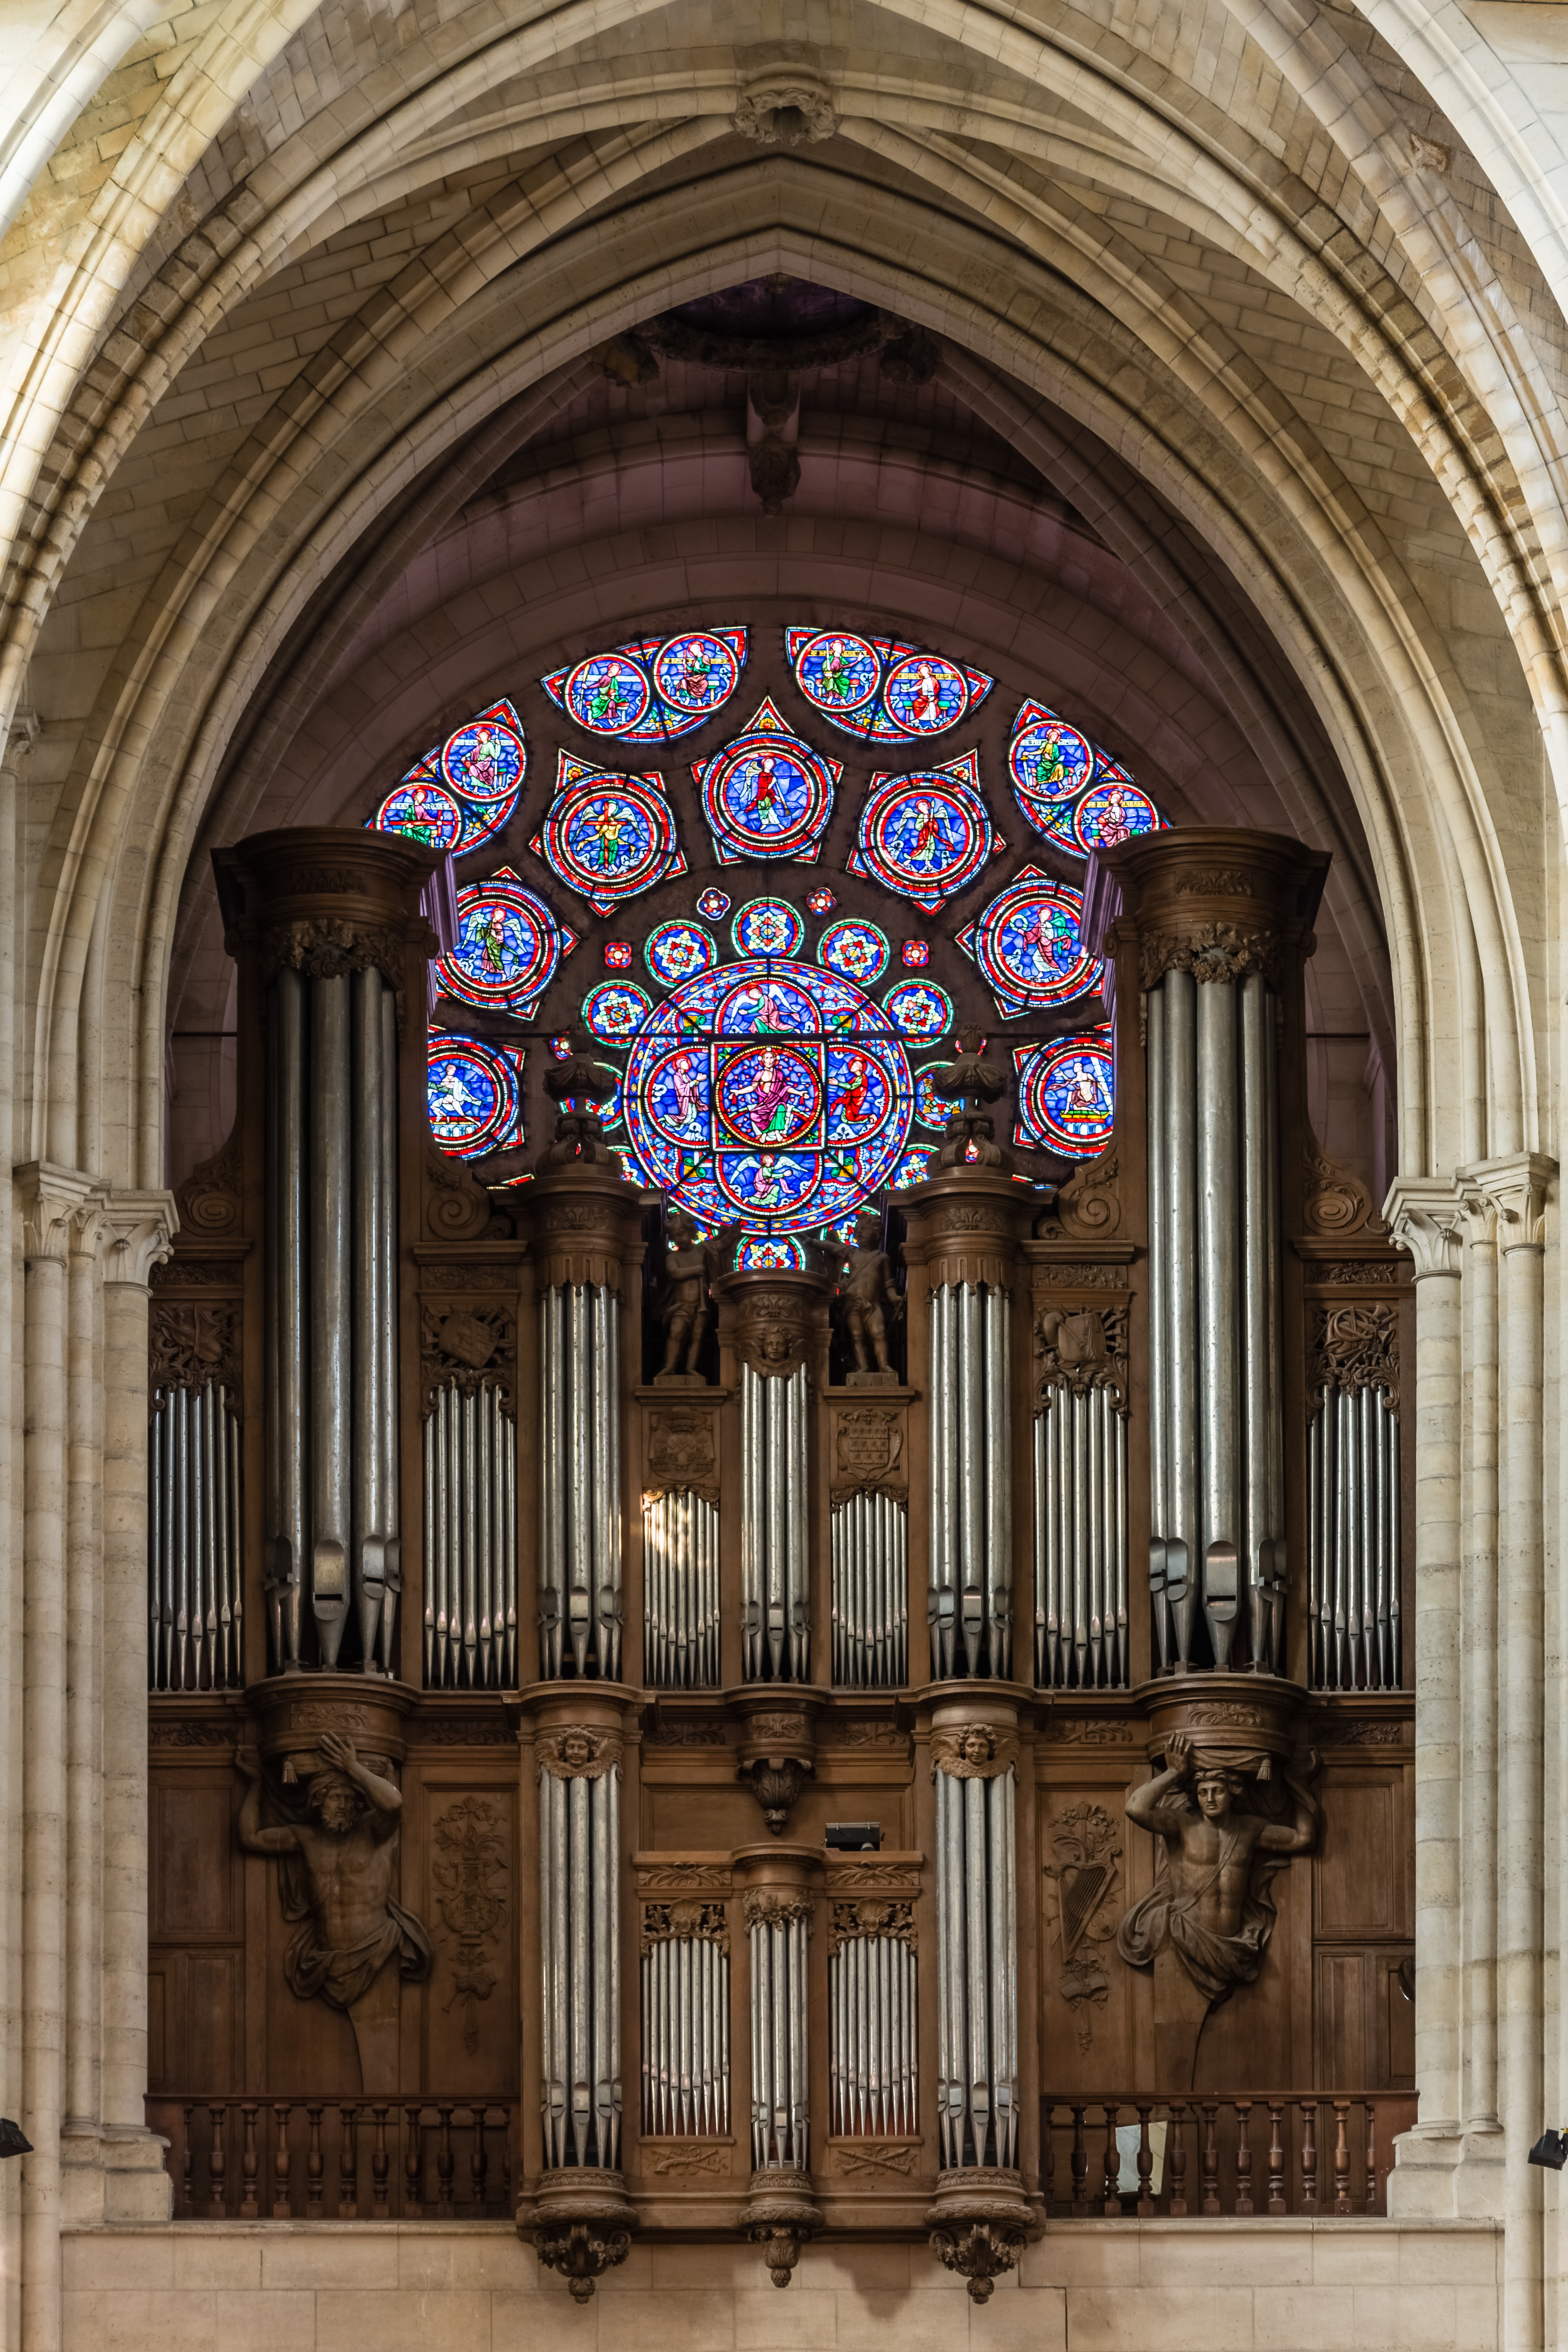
(973, 1751)
(581, 2225)
(778, 1754)
(576, 1751)
(1424, 1214)
(780, 2219)
(980, 2224)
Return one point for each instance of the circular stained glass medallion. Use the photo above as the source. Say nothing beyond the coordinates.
(1028, 947)
(771, 1090)
(766, 797)
(821, 902)
(925, 694)
(695, 673)
(509, 944)
(422, 811)
(1050, 763)
(714, 905)
(859, 950)
(473, 1096)
(767, 927)
(484, 761)
(837, 674)
(1068, 1097)
(607, 693)
(779, 1256)
(1114, 810)
(919, 1009)
(616, 1011)
(675, 951)
(609, 837)
(925, 836)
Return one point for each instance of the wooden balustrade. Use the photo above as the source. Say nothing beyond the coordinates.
(1221, 2152)
(235, 2158)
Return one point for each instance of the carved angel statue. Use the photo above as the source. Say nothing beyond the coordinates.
(971, 1084)
(335, 1876)
(683, 1302)
(1212, 1904)
(868, 1298)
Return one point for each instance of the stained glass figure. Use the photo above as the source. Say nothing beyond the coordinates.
(766, 793)
(677, 951)
(821, 902)
(778, 1256)
(767, 927)
(423, 809)
(919, 1010)
(1050, 763)
(1028, 947)
(485, 760)
(926, 835)
(931, 1109)
(476, 1096)
(508, 945)
(881, 688)
(653, 691)
(1066, 1095)
(770, 1091)
(476, 773)
(915, 954)
(616, 1011)
(608, 836)
(1112, 811)
(618, 955)
(859, 950)
(913, 1168)
(714, 905)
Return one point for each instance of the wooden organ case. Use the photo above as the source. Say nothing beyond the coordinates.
(790, 1793)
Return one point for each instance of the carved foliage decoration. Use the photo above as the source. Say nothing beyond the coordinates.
(456, 1208)
(696, 2156)
(681, 1456)
(469, 1874)
(1080, 1275)
(1085, 1876)
(869, 1454)
(684, 1880)
(861, 1877)
(864, 2158)
(973, 1751)
(190, 1344)
(1336, 1202)
(1089, 1205)
(846, 1920)
(1386, 1273)
(209, 1199)
(327, 948)
(573, 1752)
(666, 1923)
(1356, 1347)
(467, 1349)
(773, 1906)
(1081, 1349)
(1210, 951)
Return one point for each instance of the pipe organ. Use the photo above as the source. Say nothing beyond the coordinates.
(793, 1931)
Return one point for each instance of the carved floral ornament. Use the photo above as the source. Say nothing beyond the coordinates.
(1082, 1349)
(469, 1873)
(973, 1751)
(191, 1344)
(573, 1752)
(683, 1921)
(327, 948)
(886, 1918)
(1211, 953)
(1356, 1347)
(467, 1349)
(774, 1906)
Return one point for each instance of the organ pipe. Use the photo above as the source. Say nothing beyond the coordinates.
(774, 1563)
(580, 2055)
(196, 1607)
(680, 1593)
(471, 1541)
(1081, 1541)
(970, 1595)
(580, 1603)
(873, 2070)
(868, 1543)
(977, 1944)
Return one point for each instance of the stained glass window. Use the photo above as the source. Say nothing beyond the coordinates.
(1027, 944)
(926, 835)
(654, 690)
(766, 793)
(608, 836)
(859, 950)
(476, 1094)
(462, 792)
(880, 688)
(1066, 1095)
(1071, 790)
(508, 945)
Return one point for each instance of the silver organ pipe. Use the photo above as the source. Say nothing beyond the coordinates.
(1081, 1541)
(685, 2023)
(779, 1926)
(971, 1597)
(775, 1615)
(869, 1548)
(1353, 1489)
(580, 1605)
(681, 1591)
(873, 2077)
(580, 2054)
(471, 1541)
(196, 1605)
(977, 1940)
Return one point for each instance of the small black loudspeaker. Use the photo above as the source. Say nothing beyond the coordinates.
(1552, 2150)
(13, 2139)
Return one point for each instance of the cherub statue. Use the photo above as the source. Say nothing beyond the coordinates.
(336, 1878)
(867, 1298)
(690, 1267)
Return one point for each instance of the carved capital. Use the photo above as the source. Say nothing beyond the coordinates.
(60, 1210)
(1514, 1192)
(774, 1906)
(848, 1920)
(1210, 951)
(973, 1751)
(685, 1921)
(776, 1781)
(774, 1322)
(1424, 1214)
(139, 1231)
(788, 108)
(575, 1752)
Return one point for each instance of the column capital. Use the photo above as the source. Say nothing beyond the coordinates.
(1512, 1192)
(138, 1230)
(1424, 1213)
(59, 1205)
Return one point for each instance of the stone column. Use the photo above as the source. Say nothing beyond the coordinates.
(1478, 1685)
(1423, 1214)
(138, 1228)
(81, 2184)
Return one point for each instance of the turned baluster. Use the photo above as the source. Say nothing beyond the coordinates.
(187, 2158)
(1079, 2167)
(249, 2165)
(1208, 2108)
(1176, 2162)
(1372, 2199)
(217, 2205)
(1112, 2199)
(478, 2163)
(1276, 2158)
(283, 2202)
(1243, 2157)
(348, 2164)
(315, 2166)
(380, 2165)
(1309, 2156)
(444, 2162)
(1048, 2153)
(1341, 2158)
(506, 2205)
(1145, 2158)
(414, 2164)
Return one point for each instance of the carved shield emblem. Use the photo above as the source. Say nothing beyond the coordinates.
(681, 1447)
(868, 1445)
(465, 1338)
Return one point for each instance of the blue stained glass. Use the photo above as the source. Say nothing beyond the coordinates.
(676, 950)
(919, 1009)
(654, 689)
(767, 927)
(1066, 1095)
(461, 793)
(766, 793)
(608, 836)
(770, 1257)
(1027, 944)
(616, 1011)
(881, 688)
(859, 950)
(926, 836)
(475, 1094)
(509, 946)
